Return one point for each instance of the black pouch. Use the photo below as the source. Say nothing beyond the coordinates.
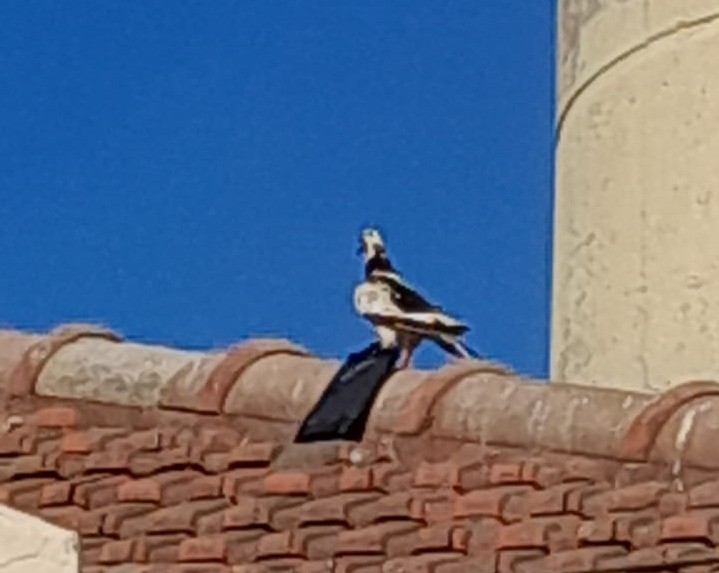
(341, 412)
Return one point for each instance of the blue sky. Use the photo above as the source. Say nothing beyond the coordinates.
(193, 173)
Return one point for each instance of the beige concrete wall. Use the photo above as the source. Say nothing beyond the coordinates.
(31, 545)
(636, 260)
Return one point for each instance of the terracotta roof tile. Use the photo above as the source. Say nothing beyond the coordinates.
(13, 345)
(187, 465)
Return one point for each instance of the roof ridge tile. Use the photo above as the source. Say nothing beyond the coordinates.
(208, 394)
(25, 373)
(261, 388)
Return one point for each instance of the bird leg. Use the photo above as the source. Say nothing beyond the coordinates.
(405, 358)
(410, 343)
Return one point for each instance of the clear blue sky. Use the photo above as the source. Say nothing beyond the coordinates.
(193, 173)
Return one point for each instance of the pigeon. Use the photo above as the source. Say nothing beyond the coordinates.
(399, 314)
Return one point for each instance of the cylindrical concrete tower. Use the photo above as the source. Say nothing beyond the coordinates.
(636, 258)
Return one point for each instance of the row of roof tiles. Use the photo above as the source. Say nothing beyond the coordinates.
(194, 498)
(181, 462)
(270, 385)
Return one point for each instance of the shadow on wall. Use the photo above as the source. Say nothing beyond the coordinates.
(341, 412)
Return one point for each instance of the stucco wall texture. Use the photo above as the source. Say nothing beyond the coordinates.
(636, 259)
(30, 545)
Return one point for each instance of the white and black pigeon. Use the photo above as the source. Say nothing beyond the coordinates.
(400, 315)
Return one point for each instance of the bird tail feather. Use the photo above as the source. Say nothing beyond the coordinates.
(456, 348)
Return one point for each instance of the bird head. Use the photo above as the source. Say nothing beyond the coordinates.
(371, 244)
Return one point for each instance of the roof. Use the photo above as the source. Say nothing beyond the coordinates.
(176, 461)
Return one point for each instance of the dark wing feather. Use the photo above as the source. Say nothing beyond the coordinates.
(435, 327)
(408, 324)
(406, 298)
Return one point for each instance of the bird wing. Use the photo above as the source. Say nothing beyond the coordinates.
(428, 324)
(406, 297)
(377, 301)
